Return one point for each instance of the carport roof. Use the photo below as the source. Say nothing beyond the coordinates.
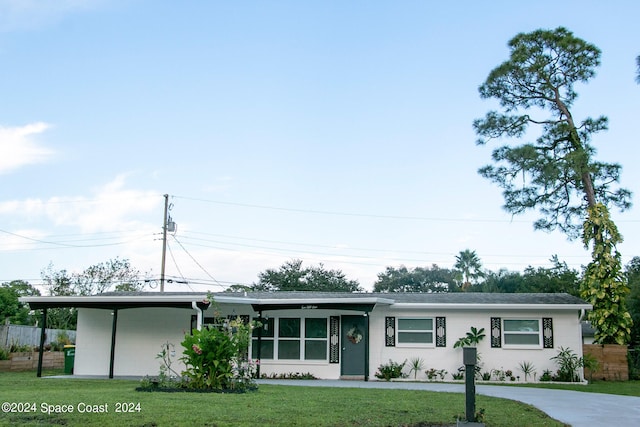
(279, 300)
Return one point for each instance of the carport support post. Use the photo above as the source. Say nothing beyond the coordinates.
(43, 336)
(259, 353)
(366, 346)
(113, 341)
(469, 359)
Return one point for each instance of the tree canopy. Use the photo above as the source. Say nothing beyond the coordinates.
(10, 307)
(291, 276)
(469, 265)
(556, 174)
(632, 276)
(418, 279)
(113, 275)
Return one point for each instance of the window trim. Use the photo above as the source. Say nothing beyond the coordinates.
(506, 345)
(398, 331)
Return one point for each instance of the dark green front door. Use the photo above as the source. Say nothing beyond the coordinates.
(353, 339)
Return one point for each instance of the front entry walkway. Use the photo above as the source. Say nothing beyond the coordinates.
(575, 408)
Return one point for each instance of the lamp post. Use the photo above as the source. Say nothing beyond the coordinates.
(469, 357)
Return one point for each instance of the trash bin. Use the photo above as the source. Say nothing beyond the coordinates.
(69, 358)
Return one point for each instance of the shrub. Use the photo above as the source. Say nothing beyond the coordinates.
(290, 376)
(433, 373)
(527, 369)
(415, 365)
(568, 363)
(388, 371)
(460, 374)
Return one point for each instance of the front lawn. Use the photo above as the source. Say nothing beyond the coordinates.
(270, 405)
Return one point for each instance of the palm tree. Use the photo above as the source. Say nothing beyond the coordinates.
(469, 264)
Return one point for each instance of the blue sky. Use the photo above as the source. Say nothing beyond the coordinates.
(335, 132)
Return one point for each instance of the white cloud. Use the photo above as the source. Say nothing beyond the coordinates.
(18, 147)
(18, 15)
(111, 208)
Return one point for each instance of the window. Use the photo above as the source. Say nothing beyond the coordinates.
(415, 331)
(521, 333)
(292, 338)
(289, 338)
(266, 349)
(315, 343)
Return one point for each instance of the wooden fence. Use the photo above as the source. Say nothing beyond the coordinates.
(23, 335)
(612, 361)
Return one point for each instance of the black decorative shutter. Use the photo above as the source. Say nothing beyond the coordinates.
(547, 332)
(390, 331)
(441, 331)
(334, 339)
(496, 332)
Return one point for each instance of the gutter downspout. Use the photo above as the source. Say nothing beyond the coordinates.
(583, 313)
(194, 304)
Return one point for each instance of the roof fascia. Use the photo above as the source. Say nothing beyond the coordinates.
(459, 306)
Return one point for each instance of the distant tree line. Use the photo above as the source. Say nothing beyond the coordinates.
(466, 276)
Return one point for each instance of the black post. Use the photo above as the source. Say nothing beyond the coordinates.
(113, 341)
(469, 359)
(259, 352)
(366, 346)
(43, 335)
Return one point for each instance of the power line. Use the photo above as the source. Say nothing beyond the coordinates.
(354, 214)
(184, 281)
(194, 260)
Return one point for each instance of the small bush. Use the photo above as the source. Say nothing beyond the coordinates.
(388, 371)
(460, 374)
(4, 354)
(290, 376)
(433, 374)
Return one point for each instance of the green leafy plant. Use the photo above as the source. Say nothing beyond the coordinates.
(568, 364)
(460, 374)
(415, 365)
(478, 417)
(604, 285)
(590, 363)
(433, 374)
(208, 355)
(217, 357)
(527, 369)
(546, 375)
(4, 354)
(290, 376)
(471, 339)
(391, 370)
(499, 374)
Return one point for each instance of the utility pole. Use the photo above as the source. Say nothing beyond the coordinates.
(164, 240)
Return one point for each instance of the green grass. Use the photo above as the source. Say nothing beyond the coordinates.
(270, 405)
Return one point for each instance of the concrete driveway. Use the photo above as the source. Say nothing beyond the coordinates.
(571, 407)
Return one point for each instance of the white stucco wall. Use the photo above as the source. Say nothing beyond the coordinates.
(141, 333)
(566, 333)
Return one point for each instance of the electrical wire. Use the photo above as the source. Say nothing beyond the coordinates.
(197, 263)
(184, 281)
